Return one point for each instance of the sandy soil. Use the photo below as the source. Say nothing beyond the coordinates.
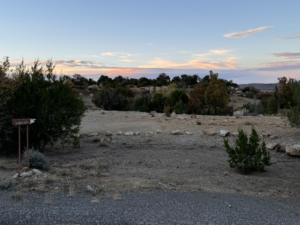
(164, 161)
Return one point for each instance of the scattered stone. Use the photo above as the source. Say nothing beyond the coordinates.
(225, 173)
(158, 132)
(149, 133)
(129, 133)
(96, 139)
(108, 133)
(15, 176)
(273, 137)
(261, 115)
(176, 132)
(56, 188)
(152, 113)
(35, 171)
(26, 174)
(264, 135)
(136, 133)
(272, 146)
(210, 133)
(188, 133)
(92, 134)
(293, 150)
(224, 133)
(119, 133)
(89, 188)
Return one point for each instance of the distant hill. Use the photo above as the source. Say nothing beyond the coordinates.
(260, 86)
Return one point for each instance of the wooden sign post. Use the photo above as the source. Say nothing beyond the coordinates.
(19, 122)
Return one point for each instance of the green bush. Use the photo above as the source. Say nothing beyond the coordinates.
(110, 99)
(58, 112)
(36, 160)
(293, 115)
(144, 108)
(199, 123)
(167, 111)
(158, 103)
(176, 96)
(8, 183)
(247, 156)
(142, 102)
(180, 108)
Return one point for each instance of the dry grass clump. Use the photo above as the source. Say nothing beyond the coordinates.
(17, 196)
(71, 187)
(50, 179)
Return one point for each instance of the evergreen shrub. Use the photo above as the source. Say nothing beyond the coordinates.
(247, 156)
(36, 160)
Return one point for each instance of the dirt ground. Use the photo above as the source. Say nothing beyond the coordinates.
(163, 161)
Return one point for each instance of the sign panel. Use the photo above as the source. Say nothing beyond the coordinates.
(18, 122)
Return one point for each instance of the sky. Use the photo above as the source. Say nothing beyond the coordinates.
(253, 41)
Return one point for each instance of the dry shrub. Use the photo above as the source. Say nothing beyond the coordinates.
(167, 111)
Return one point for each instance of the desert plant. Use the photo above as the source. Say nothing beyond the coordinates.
(110, 99)
(176, 96)
(247, 156)
(199, 123)
(292, 114)
(76, 142)
(167, 111)
(8, 183)
(41, 96)
(17, 196)
(36, 160)
(144, 108)
(180, 108)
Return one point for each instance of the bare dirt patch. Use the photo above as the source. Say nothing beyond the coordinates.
(186, 162)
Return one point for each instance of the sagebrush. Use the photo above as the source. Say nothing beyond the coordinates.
(36, 160)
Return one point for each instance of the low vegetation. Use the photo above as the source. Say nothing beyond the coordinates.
(7, 183)
(36, 160)
(247, 155)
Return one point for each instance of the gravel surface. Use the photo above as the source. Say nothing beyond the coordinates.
(150, 208)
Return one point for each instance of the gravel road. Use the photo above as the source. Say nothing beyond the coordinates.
(148, 208)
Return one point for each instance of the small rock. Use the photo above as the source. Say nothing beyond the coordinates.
(273, 137)
(152, 113)
(158, 132)
(176, 132)
(108, 133)
(149, 133)
(89, 188)
(224, 133)
(36, 171)
(272, 146)
(188, 133)
(26, 174)
(293, 150)
(210, 133)
(265, 135)
(56, 188)
(119, 133)
(24, 169)
(136, 133)
(15, 176)
(129, 133)
(225, 173)
(92, 134)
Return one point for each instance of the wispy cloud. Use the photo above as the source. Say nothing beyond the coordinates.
(280, 65)
(290, 37)
(246, 33)
(288, 55)
(220, 51)
(128, 60)
(150, 44)
(119, 54)
(193, 64)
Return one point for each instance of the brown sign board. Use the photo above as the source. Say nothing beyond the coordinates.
(18, 122)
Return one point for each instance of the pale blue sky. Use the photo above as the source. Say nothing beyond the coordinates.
(247, 41)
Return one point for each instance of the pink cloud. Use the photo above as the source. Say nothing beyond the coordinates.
(288, 55)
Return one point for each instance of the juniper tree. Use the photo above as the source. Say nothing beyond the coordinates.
(247, 155)
(41, 96)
